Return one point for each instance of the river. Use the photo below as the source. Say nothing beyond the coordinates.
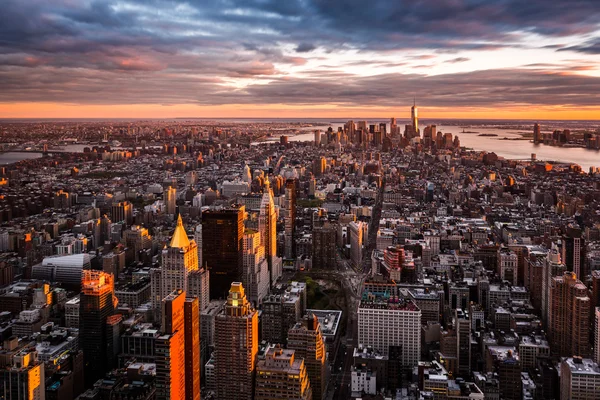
(511, 149)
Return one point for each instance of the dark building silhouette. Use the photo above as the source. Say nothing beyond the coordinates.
(222, 245)
(97, 304)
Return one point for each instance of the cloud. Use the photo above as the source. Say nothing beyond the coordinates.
(589, 47)
(305, 48)
(458, 60)
(166, 51)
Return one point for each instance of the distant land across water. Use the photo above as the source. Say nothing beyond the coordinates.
(508, 143)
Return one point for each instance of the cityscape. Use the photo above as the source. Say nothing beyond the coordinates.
(301, 200)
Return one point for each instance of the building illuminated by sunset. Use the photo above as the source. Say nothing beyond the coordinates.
(236, 346)
(97, 303)
(281, 376)
(306, 339)
(178, 260)
(267, 226)
(21, 373)
(170, 349)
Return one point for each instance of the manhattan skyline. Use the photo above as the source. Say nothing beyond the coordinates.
(299, 59)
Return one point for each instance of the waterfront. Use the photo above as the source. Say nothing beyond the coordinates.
(512, 149)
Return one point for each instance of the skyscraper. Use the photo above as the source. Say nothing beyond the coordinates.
(306, 340)
(178, 260)
(198, 240)
(236, 346)
(462, 325)
(22, 375)
(267, 226)
(170, 200)
(290, 219)
(597, 335)
(414, 118)
(255, 274)
(122, 212)
(222, 247)
(317, 138)
(356, 232)
(170, 349)
(281, 376)
(569, 316)
(192, 348)
(97, 302)
(324, 249)
(537, 133)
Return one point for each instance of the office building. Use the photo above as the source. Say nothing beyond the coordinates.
(290, 219)
(579, 379)
(597, 335)
(267, 226)
(199, 286)
(280, 375)
(96, 304)
(357, 234)
(198, 240)
(192, 348)
(306, 339)
(537, 134)
(236, 346)
(122, 212)
(324, 247)
(178, 260)
(170, 200)
(171, 350)
(22, 374)
(414, 119)
(222, 247)
(400, 320)
(255, 272)
(280, 312)
(462, 325)
(137, 239)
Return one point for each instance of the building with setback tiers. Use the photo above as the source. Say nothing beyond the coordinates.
(267, 226)
(178, 260)
(236, 346)
(281, 376)
(306, 340)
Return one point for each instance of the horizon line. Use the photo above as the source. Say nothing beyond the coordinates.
(284, 118)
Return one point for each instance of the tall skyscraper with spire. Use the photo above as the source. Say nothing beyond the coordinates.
(267, 226)
(236, 346)
(414, 117)
(178, 260)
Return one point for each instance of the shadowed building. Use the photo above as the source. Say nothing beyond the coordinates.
(222, 247)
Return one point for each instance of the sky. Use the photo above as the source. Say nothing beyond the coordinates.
(533, 59)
